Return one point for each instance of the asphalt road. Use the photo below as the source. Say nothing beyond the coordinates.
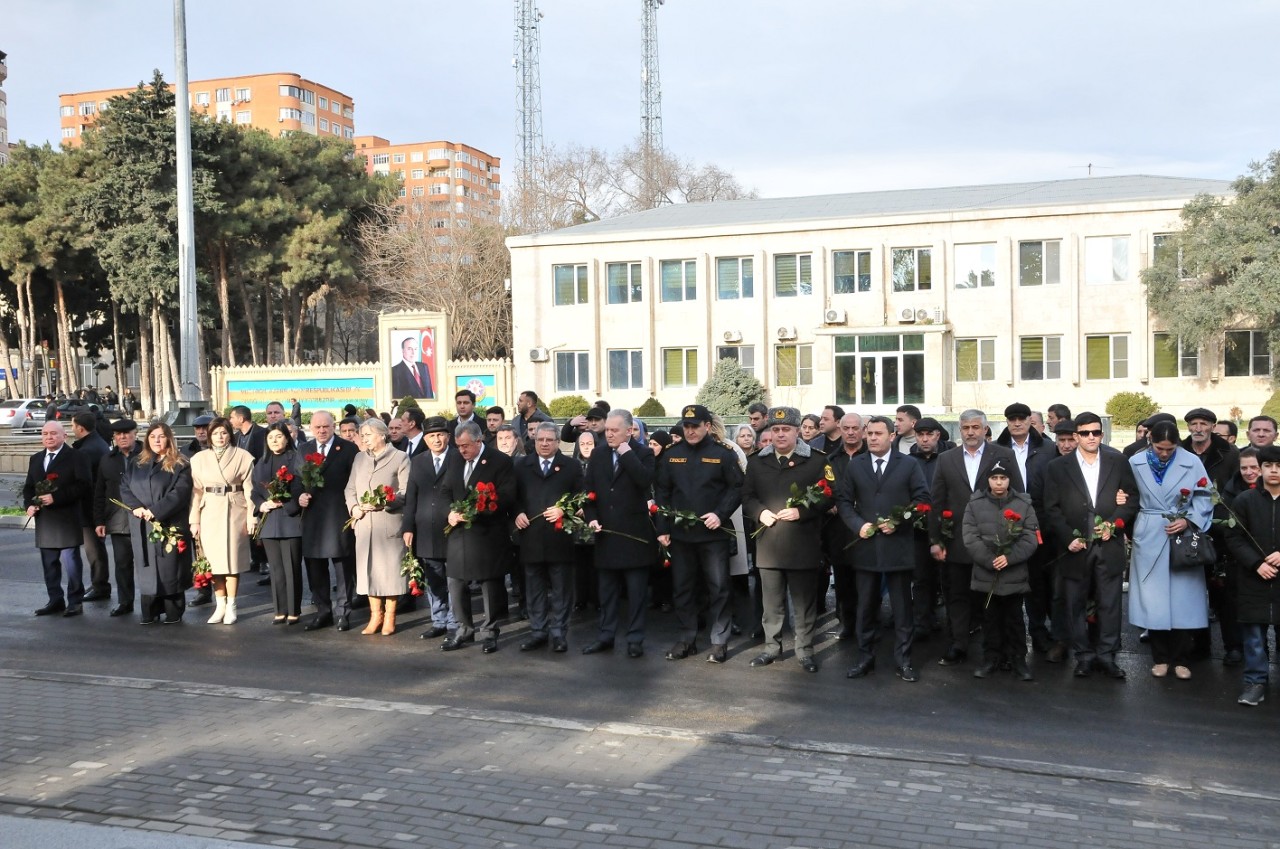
(1164, 728)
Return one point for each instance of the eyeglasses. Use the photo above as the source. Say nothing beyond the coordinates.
(1088, 433)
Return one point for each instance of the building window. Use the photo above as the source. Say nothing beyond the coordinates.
(743, 355)
(879, 369)
(912, 269)
(1163, 244)
(570, 284)
(792, 275)
(244, 117)
(335, 107)
(1247, 354)
(793, 365)
(309, 118)
(290, 91)
(202, 98)
(1106, 357)
(679, 280)
(308, 97)
(289, 114)
(417, 174)
(626, 369)
(624, 283)
(244, 95)
(68, 132)
(1040, 263)
(415, 156)
(975, 360)
(348, 112)
(324, 102)
(853, 271)
(348, 133)
(734, 278)
(679, 367)
(1041, 357)
(1174, 357)
(573, 371)
(223, 95)
(67, 111)
(975, 266)
(417, 191)
(324, 125)
(381, 159)
(88, 107)
(401, 192)
(1106, 260)
(397, 158)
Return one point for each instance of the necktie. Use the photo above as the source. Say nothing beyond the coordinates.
(880, 467)
(466, 479)
(417, 378)
(615, 462)
(546, 468)
(324, 450)
(439, 462)
(48, 458)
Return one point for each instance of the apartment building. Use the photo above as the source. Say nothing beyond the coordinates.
(945, 298)
(4, 109)
(441, 177)
(277, 103)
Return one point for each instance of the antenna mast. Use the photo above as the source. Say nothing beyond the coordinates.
(528, 111)
(651, 105)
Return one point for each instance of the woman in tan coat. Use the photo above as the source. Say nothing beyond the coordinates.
(221, 519)
(379, 543)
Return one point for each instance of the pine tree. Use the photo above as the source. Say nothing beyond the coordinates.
(730, 390)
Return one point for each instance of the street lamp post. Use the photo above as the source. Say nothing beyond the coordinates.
(190, 402)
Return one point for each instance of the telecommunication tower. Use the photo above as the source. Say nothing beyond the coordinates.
(528, 103)
(651, 105)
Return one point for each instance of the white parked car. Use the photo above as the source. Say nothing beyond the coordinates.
(22, 413)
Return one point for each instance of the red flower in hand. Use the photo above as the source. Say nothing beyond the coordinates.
(1012, 516)
(653, 508)
(52, 476)
(1119, 523)
(825, 487)
(1202, 482)
(923, 508)
(1185, 493)
(390, 493)
(591, 496)
(182, 545)
(947, 514)
(493, 506)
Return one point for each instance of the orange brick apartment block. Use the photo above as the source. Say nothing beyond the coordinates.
(437, 176)
(276, 103)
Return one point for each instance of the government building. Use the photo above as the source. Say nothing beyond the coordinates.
(946, 298)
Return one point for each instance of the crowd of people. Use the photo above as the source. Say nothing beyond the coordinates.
(1036, 532)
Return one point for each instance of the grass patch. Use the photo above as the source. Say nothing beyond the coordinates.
(13, 511)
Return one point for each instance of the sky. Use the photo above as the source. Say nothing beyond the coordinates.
(797, 97)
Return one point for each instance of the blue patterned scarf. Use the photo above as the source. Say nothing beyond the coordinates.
(1158, 467)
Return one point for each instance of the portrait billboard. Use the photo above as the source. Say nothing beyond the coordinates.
(414, 358)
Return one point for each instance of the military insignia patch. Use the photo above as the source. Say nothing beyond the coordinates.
(779, 414)
(829, 475)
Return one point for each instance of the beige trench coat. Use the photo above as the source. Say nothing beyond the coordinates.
(379, 541)
(220, 505)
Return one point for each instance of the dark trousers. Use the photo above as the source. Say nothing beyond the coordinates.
(924, 587)
(584, 575)
(546, 600)
(337, 602)
(95, 551)
(956, 578)
(54, 561)
(285, 557)
(899, 584)
(1104, 583)
(493, 596)
(710, 561)
(1170, 647)
(846, 593)
(612, 582)
(1039, 602)
(1003, 633)
(1222, 598)
(438, 591)
(775, 584)
(122, 553)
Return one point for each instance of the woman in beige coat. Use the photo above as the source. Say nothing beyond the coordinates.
(221, 519)
(379, 543)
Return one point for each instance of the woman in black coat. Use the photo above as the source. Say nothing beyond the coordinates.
(281, 531)
(157, 489)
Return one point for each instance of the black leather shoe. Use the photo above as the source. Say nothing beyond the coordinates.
(908, 674)
(954, 657)
(1021, 671)
(1109, 669)
(490, 645)
(809, 664)
(202, 597)
(844, 634)
(318, 622)
(151, 621)
(1082, 670)
(763, 659)
(265, 580)
(559, 645)
(862, 669)
(455, 642)
(1233, 657)
(635, 650)
(987, 668)
(434, 632)
(73, 610)
(51, 608)
(98, 595)
(681, 650)
(1057, 653)
(344, 624)
(719, 653)
(529, 644)
(598, 646)
(121, 610)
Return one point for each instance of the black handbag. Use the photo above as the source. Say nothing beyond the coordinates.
(1191, 549)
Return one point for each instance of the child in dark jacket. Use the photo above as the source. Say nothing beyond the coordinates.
(1000, 534)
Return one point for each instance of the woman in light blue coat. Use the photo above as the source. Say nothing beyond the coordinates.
(1170, 604)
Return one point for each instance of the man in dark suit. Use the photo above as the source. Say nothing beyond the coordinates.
(927, 445)
(426, 515)
(480, 552)
(961, 471)
(249, 435)
(621, 475)
(324, 511)
(411, 423)
(94, 448)
(836, 537)
(58, 517)
(1082, 487)
(828, 441)
(878, 485)
(546, 553)
(110, 519)
(410, 377)
(464, 404)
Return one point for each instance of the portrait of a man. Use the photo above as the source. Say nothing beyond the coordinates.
(411, 376)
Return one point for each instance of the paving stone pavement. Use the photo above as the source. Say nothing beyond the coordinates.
(315, 771)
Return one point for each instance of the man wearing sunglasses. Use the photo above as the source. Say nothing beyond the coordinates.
(1082, 499)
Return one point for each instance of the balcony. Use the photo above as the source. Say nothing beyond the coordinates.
(4, 69)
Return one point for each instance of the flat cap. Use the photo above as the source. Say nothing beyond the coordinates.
(203, 421)
(782, 416)
(596, 413)
(435, 424)
(125, 425)
(1200, 413)
(927, 424)
(1064, 426)
(1017, 410)
(695, 414)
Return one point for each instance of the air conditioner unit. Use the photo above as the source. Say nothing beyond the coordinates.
(907, 315)
(835, 317)
(539, 355)
(922, 315)
(733, 336)
(785, 333)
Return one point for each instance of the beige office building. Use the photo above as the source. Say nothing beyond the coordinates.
(945, 298)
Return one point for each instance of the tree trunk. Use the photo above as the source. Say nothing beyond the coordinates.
(117, 350)
(26, 337)
(267, 310)
(9, 371)
(146, 387)
(171, 357)
(224, 306)
(66, 353)
(297, 332)
(249, 322)
(328, 329)
(286, 305)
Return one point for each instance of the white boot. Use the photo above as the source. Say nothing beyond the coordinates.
(220, 611)
(230, 617)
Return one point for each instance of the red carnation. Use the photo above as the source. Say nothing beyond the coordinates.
(1185, 492)
(826, 489)
(666, 564)
(389, 492)
(947, 514)
(1012, 516)
(923, 508)
(52, 476)
(1119, 523)
(653, 508)
(315, 457)
(182, 545)
(1202, 482)
(591, 496)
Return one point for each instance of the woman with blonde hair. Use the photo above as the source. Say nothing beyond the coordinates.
(379, 542)
(156, 487)
(222, 514)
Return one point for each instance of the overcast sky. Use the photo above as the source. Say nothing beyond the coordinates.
(794, 96)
